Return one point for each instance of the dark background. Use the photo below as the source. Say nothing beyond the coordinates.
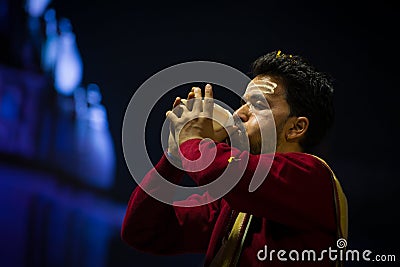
(124, 43)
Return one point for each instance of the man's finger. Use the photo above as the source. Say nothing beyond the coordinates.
(171, 117)
(176, 102)
(208, 91)
(208, 101)
(189, 104)
(198, 104)
(177, 108)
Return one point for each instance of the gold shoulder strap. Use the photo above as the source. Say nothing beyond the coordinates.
(340, 206)
(229, 253)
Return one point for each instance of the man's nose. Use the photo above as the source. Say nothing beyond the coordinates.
(243, 112)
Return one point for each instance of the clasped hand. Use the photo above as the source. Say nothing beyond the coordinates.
(193, 119)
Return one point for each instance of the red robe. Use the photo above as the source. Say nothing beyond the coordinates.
(292, 209)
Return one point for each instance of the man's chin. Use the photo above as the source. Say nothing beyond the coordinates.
(255, 150)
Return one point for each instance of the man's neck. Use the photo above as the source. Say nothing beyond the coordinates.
(289, 147)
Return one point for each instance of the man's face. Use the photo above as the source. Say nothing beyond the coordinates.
(264, 103)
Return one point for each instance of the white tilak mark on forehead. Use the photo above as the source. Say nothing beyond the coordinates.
(266, 86)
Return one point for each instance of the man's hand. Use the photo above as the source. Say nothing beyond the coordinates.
(173, 147)
(195, 118)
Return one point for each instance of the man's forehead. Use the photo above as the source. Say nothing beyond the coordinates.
(263, 85)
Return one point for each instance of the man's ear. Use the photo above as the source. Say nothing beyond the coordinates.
(298, 129)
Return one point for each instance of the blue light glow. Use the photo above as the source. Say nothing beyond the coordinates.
(69, 66)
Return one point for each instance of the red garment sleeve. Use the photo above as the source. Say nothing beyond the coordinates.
(155, 227)
(296, 192)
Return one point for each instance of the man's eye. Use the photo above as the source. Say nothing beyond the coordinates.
(260, 105)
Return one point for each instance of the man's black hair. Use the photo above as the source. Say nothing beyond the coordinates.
(309, 92)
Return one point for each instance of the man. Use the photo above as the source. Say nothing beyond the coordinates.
(298, 206)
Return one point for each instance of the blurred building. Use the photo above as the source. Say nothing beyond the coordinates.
(57, 159)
